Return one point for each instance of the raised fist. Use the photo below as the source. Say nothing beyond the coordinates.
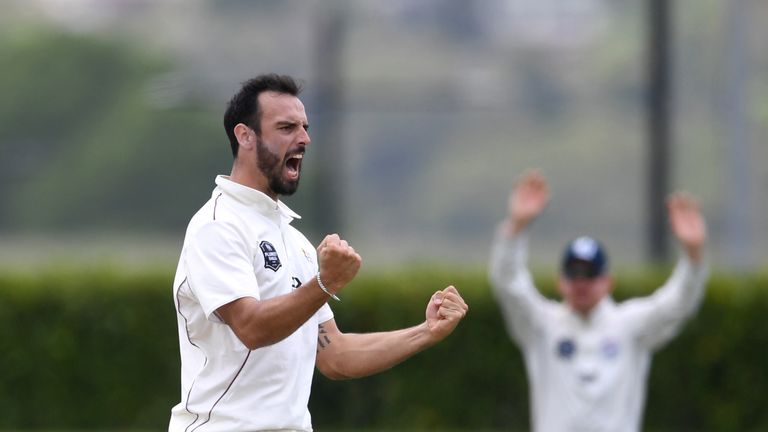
(338, 262)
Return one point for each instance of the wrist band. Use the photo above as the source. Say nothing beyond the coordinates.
(322, 287)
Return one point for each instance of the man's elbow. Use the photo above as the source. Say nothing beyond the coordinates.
(335, 376)
(254, 341)
(334, 371)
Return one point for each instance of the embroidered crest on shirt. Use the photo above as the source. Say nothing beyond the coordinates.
(566, 348)
(271, 260)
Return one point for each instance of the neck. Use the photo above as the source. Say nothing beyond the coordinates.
(246, 177)
(585, 313)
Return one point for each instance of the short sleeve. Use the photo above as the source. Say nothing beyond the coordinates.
(324, 314)
(219, 267)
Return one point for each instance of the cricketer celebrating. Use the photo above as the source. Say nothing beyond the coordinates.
(251, 291)
(588, 357)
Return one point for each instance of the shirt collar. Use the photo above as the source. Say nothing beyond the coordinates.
(601, 309)
(254, 198)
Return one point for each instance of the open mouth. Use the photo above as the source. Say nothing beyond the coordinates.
(293, 165)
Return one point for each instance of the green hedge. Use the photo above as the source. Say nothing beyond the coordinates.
(99, 350)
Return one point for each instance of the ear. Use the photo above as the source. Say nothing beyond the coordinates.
(245, 136)
(608, 281)
(562, 285)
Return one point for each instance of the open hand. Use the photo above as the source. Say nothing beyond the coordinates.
(687, 223)
(528, 199)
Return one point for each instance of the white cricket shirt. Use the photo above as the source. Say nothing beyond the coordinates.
(240, 244)
(588, 374)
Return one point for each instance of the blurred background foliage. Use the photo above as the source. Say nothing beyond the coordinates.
(424, 112)
(98, 350)
(110, 137)
(83, 146)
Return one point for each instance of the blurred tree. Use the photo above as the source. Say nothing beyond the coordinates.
(86, 143)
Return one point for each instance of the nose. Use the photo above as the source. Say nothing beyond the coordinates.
(582, 283)
(304, 138)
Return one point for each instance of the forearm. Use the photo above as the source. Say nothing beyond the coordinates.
(682, 292)
(509, 256)
(660, 317)
(697, 273)
(357, 355)
(259, 323)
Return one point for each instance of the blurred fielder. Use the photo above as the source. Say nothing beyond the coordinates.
(588, 357)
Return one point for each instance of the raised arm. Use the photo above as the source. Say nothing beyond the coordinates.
(521, 303)
(659, 317)
(527, 200)
(353, 355)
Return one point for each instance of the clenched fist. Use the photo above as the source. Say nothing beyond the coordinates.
(338, 262)
(444, 311)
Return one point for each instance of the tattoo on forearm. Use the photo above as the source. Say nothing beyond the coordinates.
(322, 338)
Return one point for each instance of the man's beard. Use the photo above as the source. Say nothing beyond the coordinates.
(272, 167)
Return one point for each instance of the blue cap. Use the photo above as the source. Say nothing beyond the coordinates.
(584, 257)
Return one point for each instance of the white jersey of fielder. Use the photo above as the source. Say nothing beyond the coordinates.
(240, 244)
(588, 374)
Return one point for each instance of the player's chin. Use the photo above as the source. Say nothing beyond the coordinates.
(289, 186)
